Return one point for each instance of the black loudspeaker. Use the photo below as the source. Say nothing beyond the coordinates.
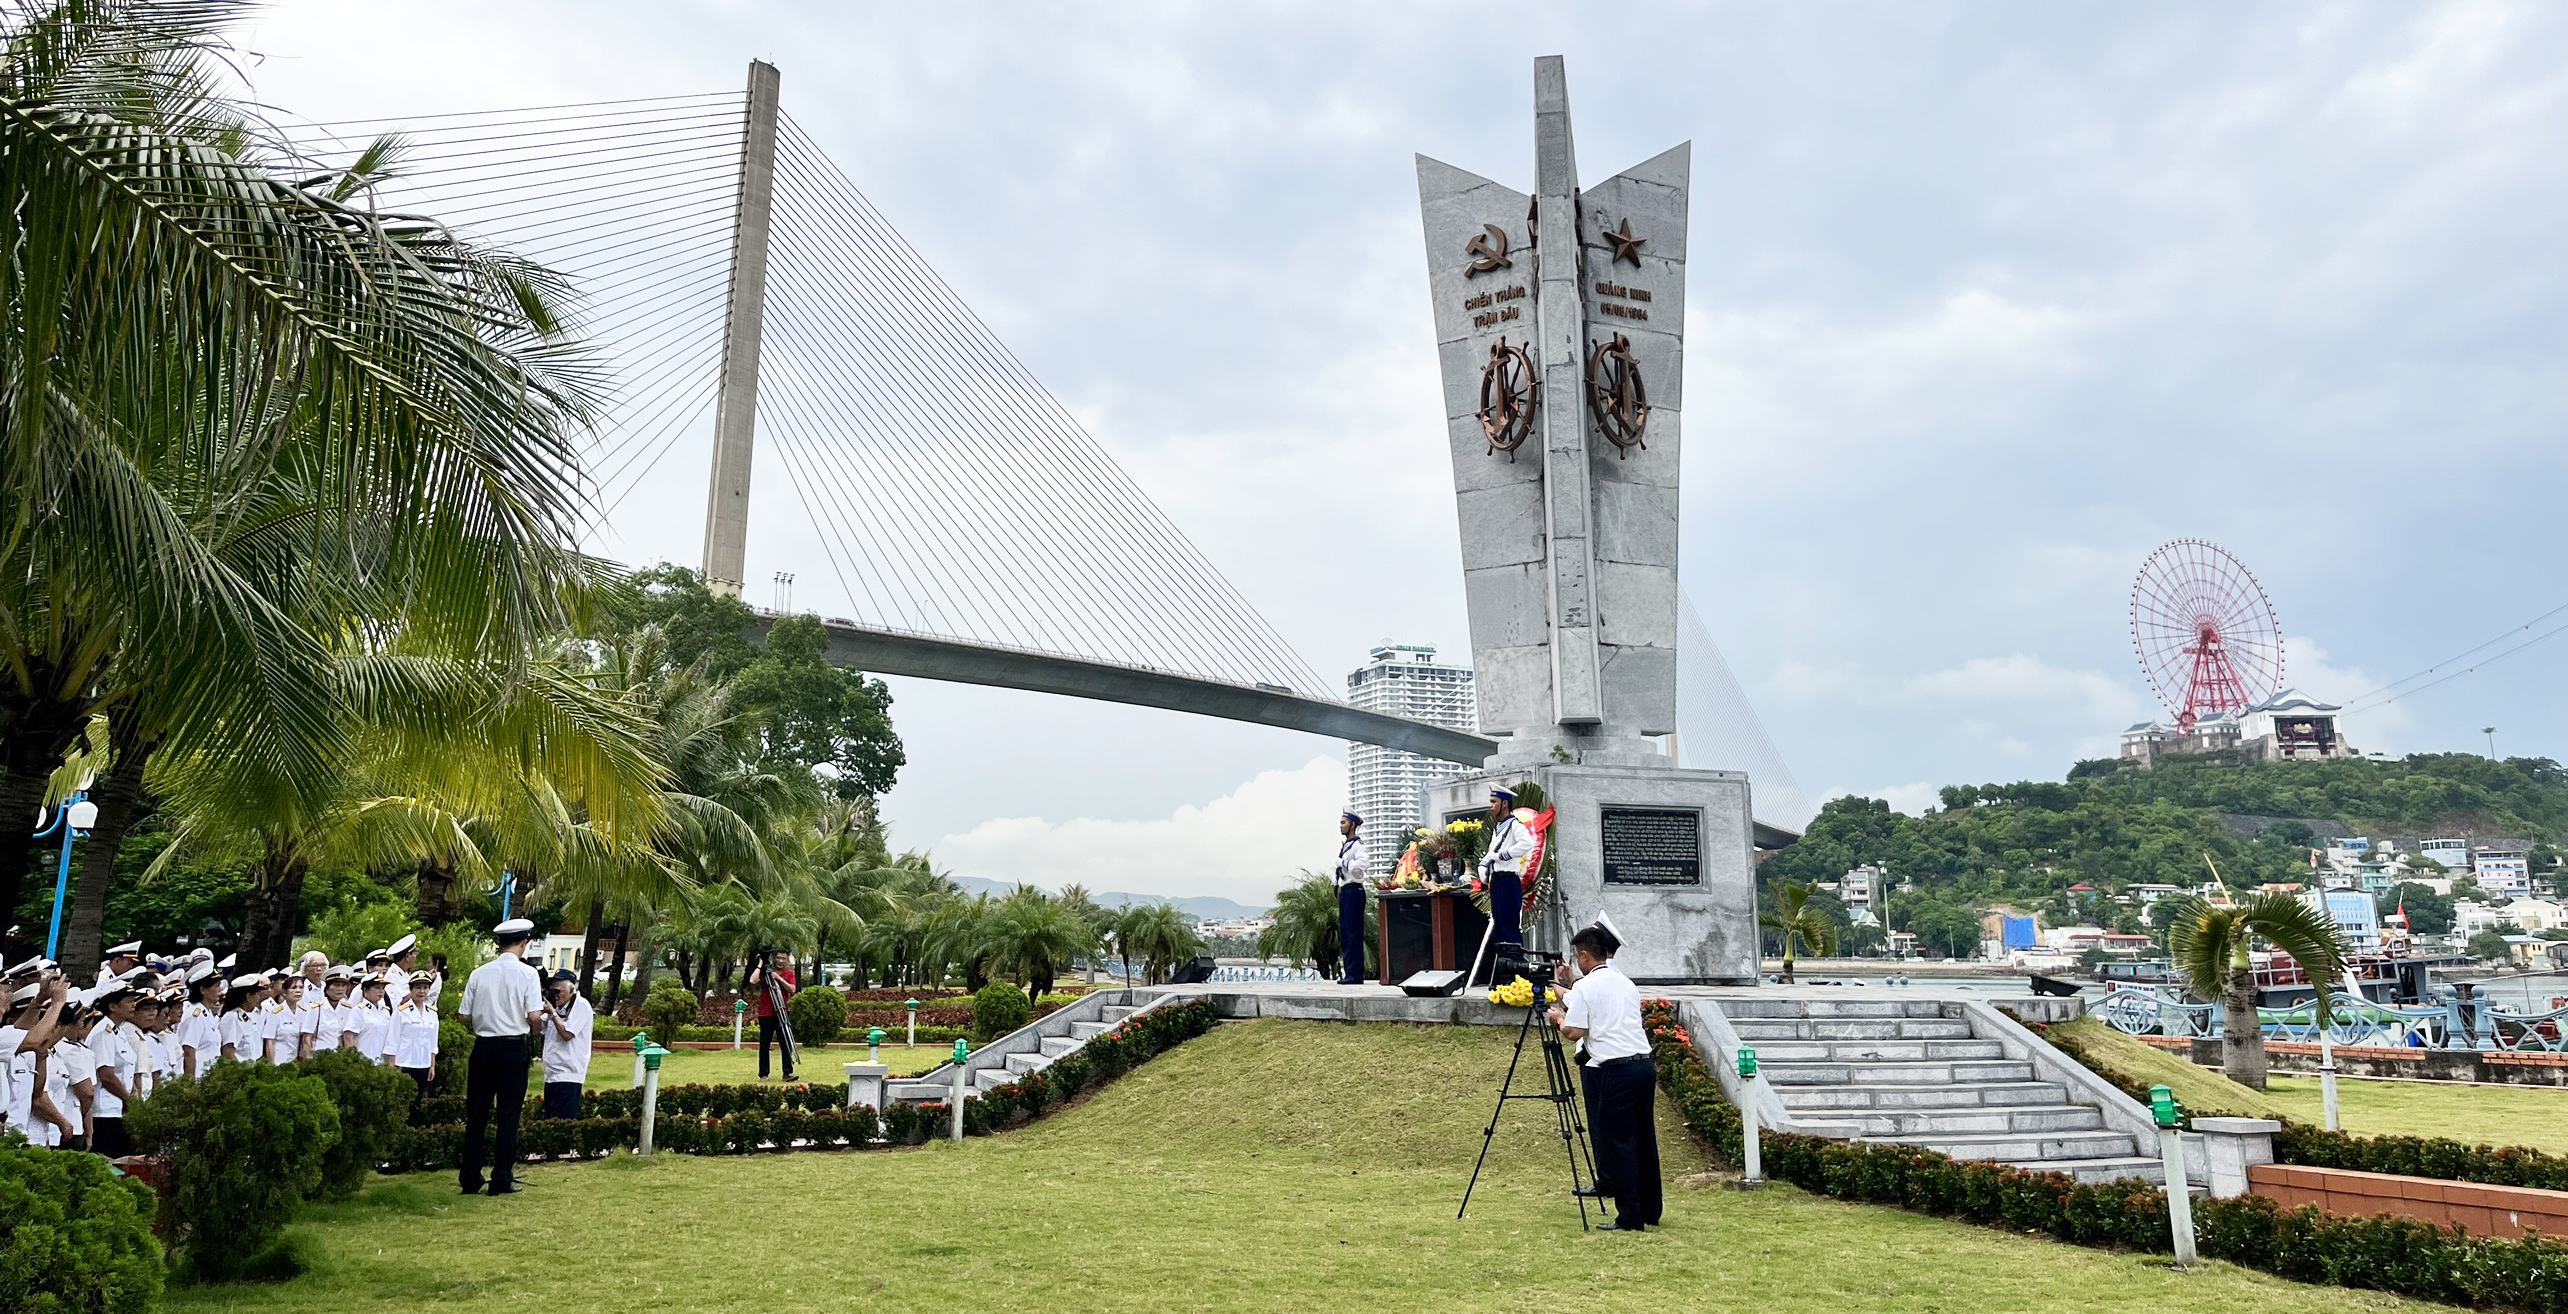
(1433, 984)
(1194, 973)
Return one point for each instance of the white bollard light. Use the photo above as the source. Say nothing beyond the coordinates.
(641, 1041)
(2171, 1160)
(739, 1010)
(962, 1051)
(1752, 1158)
(650, 1095)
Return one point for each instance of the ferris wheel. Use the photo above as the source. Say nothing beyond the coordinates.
(2205, 631)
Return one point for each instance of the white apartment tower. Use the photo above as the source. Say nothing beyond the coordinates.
(1388, 787)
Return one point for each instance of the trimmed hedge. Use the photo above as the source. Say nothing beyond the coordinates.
(79, 1236)
(246, 1143)
(746, 1119)
(819, 1013)
(2386, 1254)
(2421, 1156)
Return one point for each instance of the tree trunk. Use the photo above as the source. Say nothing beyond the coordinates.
(1787, 962)
(118, 795)
(434, 903)
(615, 969)
(39, 730)
(2242, 1039)
(276, 896)
(646, 962)
(975, 973)
(588, 949)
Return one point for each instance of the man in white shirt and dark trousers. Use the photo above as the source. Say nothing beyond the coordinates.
(503, 1001)
(1603, 1015)
(1350, 892)
(1503, 868)
(569, 1027)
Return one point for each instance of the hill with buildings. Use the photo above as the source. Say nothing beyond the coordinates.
(2074, 852)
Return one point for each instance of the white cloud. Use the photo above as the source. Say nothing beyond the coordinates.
(1914, 799)
(2382, 728)
(1245, 845)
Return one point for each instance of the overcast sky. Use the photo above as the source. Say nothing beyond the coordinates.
(1986, 301)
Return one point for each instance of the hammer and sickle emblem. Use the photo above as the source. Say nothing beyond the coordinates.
(1488, 251)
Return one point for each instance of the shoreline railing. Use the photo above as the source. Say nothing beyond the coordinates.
(2454, 1023)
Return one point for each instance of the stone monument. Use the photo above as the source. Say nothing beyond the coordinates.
(1560, 329)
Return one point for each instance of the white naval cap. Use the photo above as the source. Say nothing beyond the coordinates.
(129, 949)
(402, 946)
(200, 974)
(25, 992)
(248, 981)
(515, 928)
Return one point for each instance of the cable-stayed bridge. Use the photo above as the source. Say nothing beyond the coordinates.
(738, 285)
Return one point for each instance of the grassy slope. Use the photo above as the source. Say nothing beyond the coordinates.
(2500, 1115)
(2198, 1089)
(1271, 1165)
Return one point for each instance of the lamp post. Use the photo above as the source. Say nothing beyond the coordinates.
(650, 1056)
(2171, 1158)
(913, 1031)
(739, 1010)
(962, 1051)
(873, 1044)
(73, 818)
(1752, 1158)
(641, 1043)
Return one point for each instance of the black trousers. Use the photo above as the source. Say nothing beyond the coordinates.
(1506, 906)
(107, 1137)
(561, 1099)
(496, 1074)
(770, 1033)
(1351, 933)
(1620, 1095)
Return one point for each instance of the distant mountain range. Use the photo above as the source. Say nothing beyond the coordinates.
(1201, 907)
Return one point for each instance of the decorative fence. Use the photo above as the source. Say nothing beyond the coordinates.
(2352, 1021)
(1239, 974)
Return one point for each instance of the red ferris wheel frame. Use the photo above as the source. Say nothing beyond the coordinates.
(2205, 631)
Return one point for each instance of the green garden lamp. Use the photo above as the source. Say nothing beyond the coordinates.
(1751, 1144)
(2169, 1116)
(873, 1044)
(739, 1011)
(2162, 1107)
(962, 1052)
(641, 1041)
(1747, 1061)
(913, 1031)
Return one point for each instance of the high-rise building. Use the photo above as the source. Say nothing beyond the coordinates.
(1385, 786)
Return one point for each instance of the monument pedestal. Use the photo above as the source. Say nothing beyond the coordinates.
(1665, 852)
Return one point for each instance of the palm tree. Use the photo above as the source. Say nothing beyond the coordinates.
(272, 412)
(1031, 934)
(1162, 936)
(1796, 921)
(2210, 948)
(1306, 925)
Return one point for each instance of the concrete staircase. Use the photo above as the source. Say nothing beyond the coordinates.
(1922, 1072)
(1032, 1048)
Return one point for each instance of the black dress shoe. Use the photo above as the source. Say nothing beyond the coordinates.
(1591, 1192)
(473, 1189)
(510, 1188)
(1627, 1227)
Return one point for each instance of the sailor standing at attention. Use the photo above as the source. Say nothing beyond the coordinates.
(1350, 895)
(1503, 867)
(503, 1001)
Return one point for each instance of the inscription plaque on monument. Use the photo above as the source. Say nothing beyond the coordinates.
(1652, 846)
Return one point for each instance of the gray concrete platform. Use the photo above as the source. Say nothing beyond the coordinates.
(1330, 1002)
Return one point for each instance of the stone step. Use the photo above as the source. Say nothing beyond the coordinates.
(1858, 1051)
(1831, 1008)
(1088, 1030)
(2018, 1094)
(2028, 1148)
(1914, 1124)
(1933, 1072)
(1113, 1015)
(1021, 1064)
(990, 1078)
(2113, 1168)
(1757, 1030)
(1056, 1046)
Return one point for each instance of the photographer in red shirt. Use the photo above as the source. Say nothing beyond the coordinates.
(775, 967)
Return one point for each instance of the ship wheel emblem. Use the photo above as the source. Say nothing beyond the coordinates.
(1507, 398)
(1615, 395)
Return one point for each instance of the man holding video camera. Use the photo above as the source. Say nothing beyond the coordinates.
(1603, 1016)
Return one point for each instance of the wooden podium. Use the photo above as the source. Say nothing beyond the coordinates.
(1427, 931)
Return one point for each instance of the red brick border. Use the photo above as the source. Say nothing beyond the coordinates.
(2499, 1211)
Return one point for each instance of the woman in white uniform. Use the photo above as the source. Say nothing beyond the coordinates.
(243, 1039)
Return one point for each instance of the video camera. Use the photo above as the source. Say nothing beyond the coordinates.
(1509, 961)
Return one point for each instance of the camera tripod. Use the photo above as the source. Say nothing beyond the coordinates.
(1558, 1090)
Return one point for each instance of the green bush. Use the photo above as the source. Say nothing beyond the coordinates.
(819, 1013)
(999, 1009)
(454, 1053)
(374, 1104)
(2421, 1156)
(246, 1145)
(670, 1007)
(79, 1237)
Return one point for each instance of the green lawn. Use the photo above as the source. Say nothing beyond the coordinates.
(612, 1066)
(2493, 1115)
(1269, 1166)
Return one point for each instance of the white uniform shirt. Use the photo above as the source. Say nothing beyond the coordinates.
(1351, 861)
(68, 1065)
(108, 1052)
(149, 1059)
(330, 1023)
(310, 1014)
(568, 1060)
(241, 1031)
(373, 1025)
(201, 1031)
(1508, 847)
(499, 995)
(17, 1079)
(414, 1037)
(1607, 1006)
